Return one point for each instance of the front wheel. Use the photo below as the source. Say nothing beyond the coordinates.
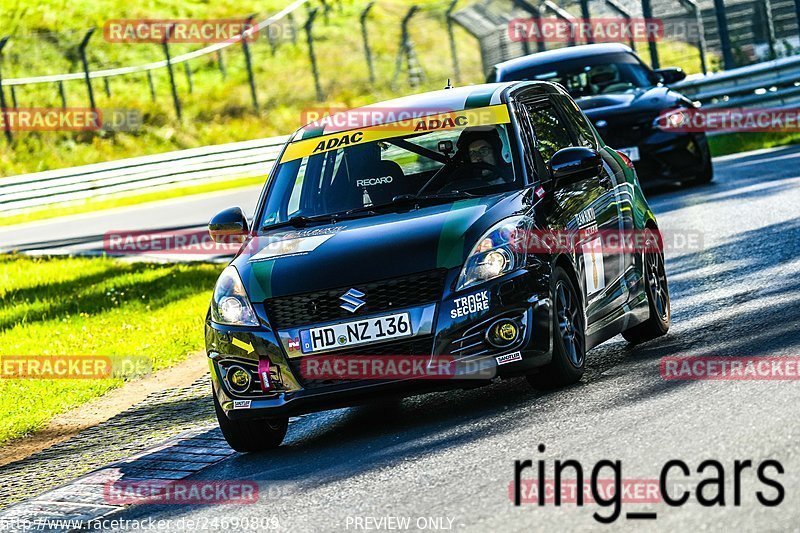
(657, 298)
(569, 336)
(251, 435)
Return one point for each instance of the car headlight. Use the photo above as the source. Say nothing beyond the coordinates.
(230, 304)
(500, 251)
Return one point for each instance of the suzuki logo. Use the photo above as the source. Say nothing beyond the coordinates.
(352, 300)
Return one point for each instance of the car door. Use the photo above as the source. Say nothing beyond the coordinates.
(586, 206)
(621, 189)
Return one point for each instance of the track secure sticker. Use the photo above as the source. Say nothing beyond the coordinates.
(241, 404)
(509, 358)
(467, 305)
(481, 116)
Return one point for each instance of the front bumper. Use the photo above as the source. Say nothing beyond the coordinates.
(451, 329)
(664, 156)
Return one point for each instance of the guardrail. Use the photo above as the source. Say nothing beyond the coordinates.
(769, 84)
(206, 164)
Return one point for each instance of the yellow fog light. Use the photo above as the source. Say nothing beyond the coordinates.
(502, 333)
(507, 331)
(239, 378)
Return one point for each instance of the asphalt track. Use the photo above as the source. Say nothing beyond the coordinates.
(449, 457)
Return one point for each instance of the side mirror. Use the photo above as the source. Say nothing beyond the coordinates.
(228, 226)
(671, 75)
(575, 163)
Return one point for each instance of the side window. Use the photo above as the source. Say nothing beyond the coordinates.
(551, 133)
(583, 130)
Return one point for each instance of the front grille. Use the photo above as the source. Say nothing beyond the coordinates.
(323, 306)
(628, 130)
(419, 346)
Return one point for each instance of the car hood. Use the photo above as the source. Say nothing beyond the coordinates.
(393, 244)
(650, 101)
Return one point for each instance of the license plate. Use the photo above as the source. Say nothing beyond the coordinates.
(632, 152)
(356, 332)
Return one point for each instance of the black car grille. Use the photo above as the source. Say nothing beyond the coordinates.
(323, 306)
(419, 347)
(626, 131)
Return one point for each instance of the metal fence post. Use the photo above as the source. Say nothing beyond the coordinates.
(62, 94)
(766, 7)
(647, 13)
(107, 87)
(249, 62)
(82, 52)
(536, 15)
(404, 50)
(451, 36)
(365, 38)
(175, 100)
(561, 14)
(152, 85)
(586, 20)
(6, 125)
(692, 7)
(221, 64)
(624, 14)
(312, 13)
(724, 36)
(188, 72)
(13, 97)
(797, 13)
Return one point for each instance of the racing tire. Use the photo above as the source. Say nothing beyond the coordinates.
(568, 334)
(657, 290)
(705, 175)
(249, 436)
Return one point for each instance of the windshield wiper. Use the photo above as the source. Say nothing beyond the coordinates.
(299, 221)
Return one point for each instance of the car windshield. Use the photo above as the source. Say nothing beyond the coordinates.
(594, 75)
(366, 177)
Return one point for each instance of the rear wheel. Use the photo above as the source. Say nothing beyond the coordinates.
(569, 336)
(706, 174)
(657, 297)
(251, 435)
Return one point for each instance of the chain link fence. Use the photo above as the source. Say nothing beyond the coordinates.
(717, 34)
(84, 70)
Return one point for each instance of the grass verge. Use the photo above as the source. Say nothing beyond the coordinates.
(734, 143)
(98, 306)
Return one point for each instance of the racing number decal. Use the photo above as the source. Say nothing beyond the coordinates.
(482, 116)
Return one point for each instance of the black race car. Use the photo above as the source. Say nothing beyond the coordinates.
(630, 105)
(429, 233)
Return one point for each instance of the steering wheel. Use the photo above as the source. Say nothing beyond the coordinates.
(467, 180)
(616, 87)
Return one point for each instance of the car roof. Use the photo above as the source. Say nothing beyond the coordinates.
(560, 54)
(429, 103)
